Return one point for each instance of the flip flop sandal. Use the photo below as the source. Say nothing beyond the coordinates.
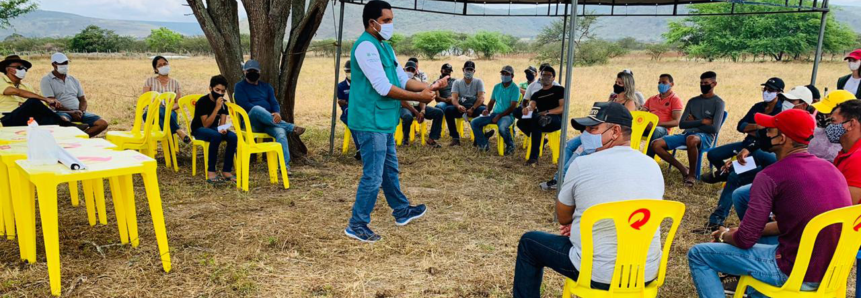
(215, 181)
(231, 179)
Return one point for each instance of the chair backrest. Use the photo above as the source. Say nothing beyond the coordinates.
(168, 99)
(636, 223)
(143, 103)
(844, 255)
(186, 109)
(717, 134)
(642, 120)
(241, 123)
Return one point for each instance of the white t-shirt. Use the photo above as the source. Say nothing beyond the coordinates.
(852, 85)
(369, 61)
(534, 87)
(616, 174)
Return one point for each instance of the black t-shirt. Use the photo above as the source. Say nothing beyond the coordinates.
(204, 107)
(546, 100)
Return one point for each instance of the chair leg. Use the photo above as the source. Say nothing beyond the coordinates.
(73, 192)
(528, 146)
(246, 163)
(205, 162)
(194, 160)
(500, 143)
(283, 165)
(271, 166)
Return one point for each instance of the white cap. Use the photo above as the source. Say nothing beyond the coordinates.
(800, 93)
(59, 58)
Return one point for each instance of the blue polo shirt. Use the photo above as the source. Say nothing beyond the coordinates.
(344, 92)
(248, 95)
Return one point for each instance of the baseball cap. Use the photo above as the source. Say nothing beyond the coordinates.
(446, 67)
(798, 125)
(815, 92)
(251, 64)
(347, 66)
(800, 92)
(604, 112)
(774, 83)
(531, 69)
(410, 64)
(508, 69)
(59, 58)
(856, 54)
(832, 99)
(469, 64)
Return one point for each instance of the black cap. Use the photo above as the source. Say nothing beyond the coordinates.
(410, 64)
(814, 91)
(447, 67)
(469, 64)
(531, 69)
(604, 112)
(347, 66)
(774, 83)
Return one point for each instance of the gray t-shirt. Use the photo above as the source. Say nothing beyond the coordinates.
(703, 108)
(616, 174)
(66, 92)
(467, 93)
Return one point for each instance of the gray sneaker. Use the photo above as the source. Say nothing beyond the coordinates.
(361, 233)
(548, 185)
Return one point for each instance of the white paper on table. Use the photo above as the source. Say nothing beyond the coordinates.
(527, 116)
(224, 127)
(70, 160)
(41, 146)
(749, 165)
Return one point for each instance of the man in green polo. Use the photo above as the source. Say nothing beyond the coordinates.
(379, 84)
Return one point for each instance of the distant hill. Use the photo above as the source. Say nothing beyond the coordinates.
(43, 23)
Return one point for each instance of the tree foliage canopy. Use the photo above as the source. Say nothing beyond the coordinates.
(163, 40)
(432, 43)
(488, 44)
(10, 9)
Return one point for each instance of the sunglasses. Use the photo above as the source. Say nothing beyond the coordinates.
(19, 67)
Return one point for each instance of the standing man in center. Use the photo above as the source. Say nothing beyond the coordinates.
(379, 84)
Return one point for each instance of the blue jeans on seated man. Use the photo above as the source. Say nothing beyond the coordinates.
(504, 125)
(733, 182)
(379, 170)
(87, 118)
(660, 132)
(215, 138)
(537, 250)
(174, 126)
(707, 259)
(431, 114)
(452, 113)
(262, 121)
(721, 154)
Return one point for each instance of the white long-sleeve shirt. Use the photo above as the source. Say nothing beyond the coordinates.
(368, 59)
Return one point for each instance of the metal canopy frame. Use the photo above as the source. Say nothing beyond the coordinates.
(797, 6)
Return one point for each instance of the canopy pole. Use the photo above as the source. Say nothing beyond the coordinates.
(818, 56)
(562, 52)
(569, 65)
(337, 78)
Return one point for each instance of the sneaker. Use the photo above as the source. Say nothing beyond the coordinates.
(548, 185)
(730, 283)
(714, 177)
(413, 212)
(298, 130)
(362, 233)
(358, 156)
(708, 229)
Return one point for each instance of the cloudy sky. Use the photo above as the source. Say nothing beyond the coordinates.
(162, 10)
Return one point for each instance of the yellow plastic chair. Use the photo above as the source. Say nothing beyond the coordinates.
(422, 129)
(458, 122)
(164, 135)
(139, 137)
(834, 281)
(500, 143)
(642, 120)
(553, 141)
(347, 136)
(186, 112)
(658, 158)
(246, 146)
(636, 223)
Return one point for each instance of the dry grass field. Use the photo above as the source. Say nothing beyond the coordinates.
(272, 242)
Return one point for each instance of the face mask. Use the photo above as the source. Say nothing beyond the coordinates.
(63, 69)
(468, 74)
(349, 77)
(164, 70)
(768, 96)
(20, 73)
(592, 142)
(835, 131)
(762, 140)
(663, 88)
(618, 89)
(530, 76)
(773, 147)
(386, 30)
(215, 95)
(822, 120)
(787, 105)
(705, 89)
(252, 76)
(506, 79)
(853, 66)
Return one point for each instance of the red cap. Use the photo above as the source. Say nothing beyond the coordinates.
(796, 124)
(856, 54)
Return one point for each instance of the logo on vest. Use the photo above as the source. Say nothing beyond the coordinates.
(639, 221)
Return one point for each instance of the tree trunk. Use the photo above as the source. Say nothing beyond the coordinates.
(219, 21)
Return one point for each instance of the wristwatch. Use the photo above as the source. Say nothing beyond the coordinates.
(720, 238)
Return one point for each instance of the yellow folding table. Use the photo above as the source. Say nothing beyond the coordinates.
(118, 167)
(13, 134)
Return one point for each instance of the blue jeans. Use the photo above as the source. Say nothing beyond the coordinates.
(660, 132)
(504, 125)
(570, 155)
(379, 170)
(718, 155)
(451, 113)
(215, 138)
(344, 120)
(87, 118)
(431, 114)
(707, 259)
(174, 126)
(733, 182)
(537, 250)
(676, 141)
(261, 120)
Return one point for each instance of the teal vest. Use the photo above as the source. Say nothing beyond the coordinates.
(370, 111)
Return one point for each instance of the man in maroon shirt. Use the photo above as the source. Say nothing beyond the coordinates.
(798, 187)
